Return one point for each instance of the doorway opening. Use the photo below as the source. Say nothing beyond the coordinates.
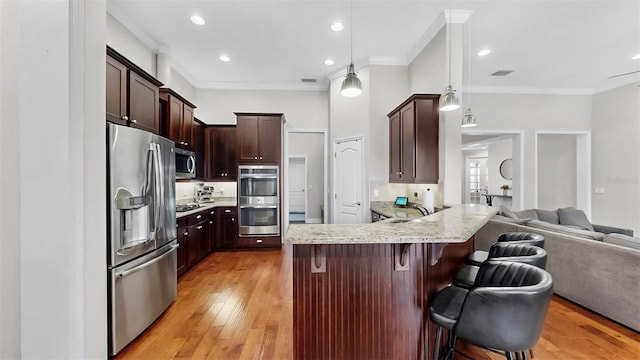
(348, 170)
(297, 189)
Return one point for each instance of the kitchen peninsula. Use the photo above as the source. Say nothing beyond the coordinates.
(361, 291)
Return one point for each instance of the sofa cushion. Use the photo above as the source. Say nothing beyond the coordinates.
(530, 214)
(510, 220)
(506, 212)
(622, 240)
(549, 216)
(565, 230)
(575, 217)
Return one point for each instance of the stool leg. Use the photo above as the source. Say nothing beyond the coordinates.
(436, 347)
(508, 355)
(452, 345)
(531, 353)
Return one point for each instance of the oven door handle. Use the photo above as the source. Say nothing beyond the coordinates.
(258, 206)
(258, 176)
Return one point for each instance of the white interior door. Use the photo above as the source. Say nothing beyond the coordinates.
(477, 180)
(297, 185)
(348, 192)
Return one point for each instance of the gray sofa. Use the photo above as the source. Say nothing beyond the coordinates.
(600, 271)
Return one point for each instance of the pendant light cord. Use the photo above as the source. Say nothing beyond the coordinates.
(351, 29)
(449, 33)
(469, 59)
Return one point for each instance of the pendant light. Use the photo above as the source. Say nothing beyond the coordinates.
(351, 85)
(449, 101)
(469, 120)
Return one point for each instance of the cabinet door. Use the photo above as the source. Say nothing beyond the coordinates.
(144, 109)
(227, 230)
(116, 91)
(196, 236)
(225, 163)
(408, 143)
(212, 231)
(183, 242)
(269, 141)
(199, 149)
(394, 147)
(175, 113)
(187, 126)
(247, 137)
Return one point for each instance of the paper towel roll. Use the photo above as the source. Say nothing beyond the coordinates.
(427, 199)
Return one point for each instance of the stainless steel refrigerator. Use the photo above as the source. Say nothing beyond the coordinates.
(141, 233)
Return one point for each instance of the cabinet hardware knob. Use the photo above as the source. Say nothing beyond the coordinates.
(259, 240)
(199, 227)
(210, 222)
(233, 219)
(227, 211)
(255, 158)
(212, 212)
(125, 118)
(198, 217)
(260, 157)
(186, 234)
(134, 121)
(186, 143)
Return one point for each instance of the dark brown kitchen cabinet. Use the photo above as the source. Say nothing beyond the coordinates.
(259, 138)
(183, 241)
(259, 242)
(227, 227)
(131, 94)
(413, 140)
(197, 235)
(198, 148)
(220, 153)
(212, 229)
(177, 118)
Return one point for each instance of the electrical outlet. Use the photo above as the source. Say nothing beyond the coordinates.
(376, 193)
(599, 190)
(415, 194)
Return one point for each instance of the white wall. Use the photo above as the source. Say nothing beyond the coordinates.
(127, 44)
(557, 161)
(528, 113)
(496, 153)
(302, 109)
(53, 278)
(311, 145)
(183, 87)
(616, 157)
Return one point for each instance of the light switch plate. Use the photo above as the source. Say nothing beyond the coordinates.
(599, 190)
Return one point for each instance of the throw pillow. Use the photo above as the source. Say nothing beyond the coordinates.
(506, 212)
(527, 214)
(573, 216)
(548, 216)
(509, 220)
(622, 240)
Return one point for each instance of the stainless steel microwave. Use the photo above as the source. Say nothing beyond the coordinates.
(185, 164)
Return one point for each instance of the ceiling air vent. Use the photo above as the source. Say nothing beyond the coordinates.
(309, 80)
(502, 73)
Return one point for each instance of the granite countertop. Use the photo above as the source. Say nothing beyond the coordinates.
(390, 210)
(224, 202)
(455, 224)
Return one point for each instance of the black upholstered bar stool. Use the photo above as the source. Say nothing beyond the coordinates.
(503, 251)
(503, 312)
(479, 256)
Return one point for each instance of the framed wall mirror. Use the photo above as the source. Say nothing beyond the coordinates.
(506, 169)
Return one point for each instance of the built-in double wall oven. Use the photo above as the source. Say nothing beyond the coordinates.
(259, 200)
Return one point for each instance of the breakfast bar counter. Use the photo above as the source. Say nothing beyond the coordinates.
(361, 291)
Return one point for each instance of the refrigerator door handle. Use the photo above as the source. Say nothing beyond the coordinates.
(161, 194)
(156, 191)
(125, 273)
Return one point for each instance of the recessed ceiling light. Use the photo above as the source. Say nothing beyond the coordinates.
(197, 19)
(224, 58)
(636, 57)
(337, 26)
(484, 52)
(328, 62)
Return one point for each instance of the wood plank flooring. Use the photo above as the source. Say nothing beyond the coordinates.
(238, 305)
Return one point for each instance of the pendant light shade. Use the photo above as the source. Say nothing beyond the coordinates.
(351, 86)
(449, 101)
(469, 120)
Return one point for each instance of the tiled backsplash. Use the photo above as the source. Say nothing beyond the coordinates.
(389, 192)
(185, 191)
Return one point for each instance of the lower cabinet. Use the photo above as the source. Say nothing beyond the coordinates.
(183, 251)
(227, 227)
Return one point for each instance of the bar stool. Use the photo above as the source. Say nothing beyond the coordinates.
(479, 256)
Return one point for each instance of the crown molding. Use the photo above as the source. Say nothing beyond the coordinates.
(124, 19)
(221, 85)
(525, 90)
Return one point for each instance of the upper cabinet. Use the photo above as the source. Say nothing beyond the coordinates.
(413, 140)
(177, 118)
(220, 153)
(198, 148)
(132, 94)
(259, 138)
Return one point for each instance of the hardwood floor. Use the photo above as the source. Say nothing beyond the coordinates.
(238, 305)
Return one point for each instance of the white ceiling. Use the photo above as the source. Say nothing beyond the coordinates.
(552, 46)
